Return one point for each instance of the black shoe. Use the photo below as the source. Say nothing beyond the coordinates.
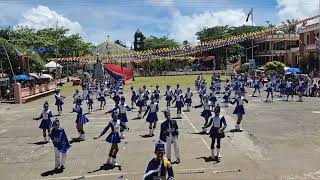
(61, 168)
(216, 158)
(56, 170)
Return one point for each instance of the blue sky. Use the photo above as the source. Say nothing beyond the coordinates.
(178, 19)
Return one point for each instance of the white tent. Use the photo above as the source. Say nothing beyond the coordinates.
(53, 64)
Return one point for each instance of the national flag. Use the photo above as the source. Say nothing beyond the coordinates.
(250, 13)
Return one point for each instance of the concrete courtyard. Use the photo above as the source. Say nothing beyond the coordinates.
(280, 141)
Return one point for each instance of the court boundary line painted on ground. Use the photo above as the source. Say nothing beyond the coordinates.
(196, 130)
(180, 171)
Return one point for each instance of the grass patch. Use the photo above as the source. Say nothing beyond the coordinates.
(184, 81)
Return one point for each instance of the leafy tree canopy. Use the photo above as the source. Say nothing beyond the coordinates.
(157, 43)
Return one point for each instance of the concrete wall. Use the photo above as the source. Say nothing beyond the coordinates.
(20, 93)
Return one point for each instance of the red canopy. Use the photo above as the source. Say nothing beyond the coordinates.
(123, 71)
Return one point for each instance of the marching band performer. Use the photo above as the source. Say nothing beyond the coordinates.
(219, 124)
(301, 89)
(206, 113)
(140, 102)
(122, 108)
(179, 103)
(80, 120)
(169, 133)
(114, 137)
(188, 98)
(159, 167)
(59, 101)
(46, 122)
(168, 96)
(239, 110)
(269, 90)
(61, 145)
(152, 117)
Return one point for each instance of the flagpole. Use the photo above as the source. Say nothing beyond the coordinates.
(252, 38)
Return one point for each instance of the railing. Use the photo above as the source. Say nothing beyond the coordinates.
(20, 93)
(310, 46)
(290, 36)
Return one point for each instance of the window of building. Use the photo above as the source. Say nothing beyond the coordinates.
(308, 39)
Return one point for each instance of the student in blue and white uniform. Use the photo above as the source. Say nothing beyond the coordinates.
(113, 138)
(227, 86)
(282, 88)
(206, 113)
(179, 103)
(156, 94)
(269, 90)
(134, 97)
(146, 94)
(140, 102)
(178, 90)
(61, 145)
(239, 110)
(169, 96)
(169, 133)
(102, 100)
(102, 86)
(46, 122)
(122, 108)
(301, 89)
(188, 98)
(217, 85)
(159, 167)
(242, 89)
(76, 96)
(152, 117)
(80, 120)
(59, 101)
(219, 124)
(116, 96)
(289, 89)
(256, 86)
(226, 98)
(90, 98)
(213, 99)
(202, 92)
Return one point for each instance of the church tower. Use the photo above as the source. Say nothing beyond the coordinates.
(138, 41)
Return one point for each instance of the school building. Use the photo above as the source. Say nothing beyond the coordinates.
(289, 48)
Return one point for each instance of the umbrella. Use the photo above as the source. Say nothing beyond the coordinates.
(22, 78)
(46, 76)
(34, 75)
(293, 70)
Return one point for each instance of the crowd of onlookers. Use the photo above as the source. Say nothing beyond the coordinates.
(311, 83)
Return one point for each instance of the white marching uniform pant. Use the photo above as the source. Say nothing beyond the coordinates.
(60, 158)
(172, 140)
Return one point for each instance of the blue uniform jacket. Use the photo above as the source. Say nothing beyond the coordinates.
(164, 130)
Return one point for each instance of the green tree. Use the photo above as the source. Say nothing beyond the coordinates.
(275, 66)
(220, 32)
(153, 42)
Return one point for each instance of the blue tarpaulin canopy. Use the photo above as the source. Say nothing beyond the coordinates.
(22, 78)
(292, 70)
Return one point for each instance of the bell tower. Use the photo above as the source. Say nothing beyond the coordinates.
(138, 41)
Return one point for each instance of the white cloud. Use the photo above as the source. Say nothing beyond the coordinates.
(185, 27)
(162, 3)
(297, 9)
(42, 17)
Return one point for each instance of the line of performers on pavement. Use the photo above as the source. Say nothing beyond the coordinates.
(169, 130)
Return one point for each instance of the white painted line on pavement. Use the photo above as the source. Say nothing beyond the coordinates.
(179, 171)
(195, 129)
(316, 112)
